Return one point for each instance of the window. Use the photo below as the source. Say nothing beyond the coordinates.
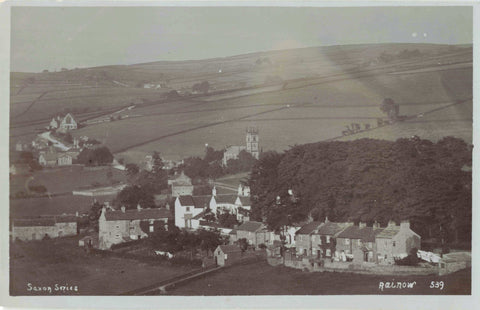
(359, 242)
(319, 240)
(226, 256)
(150, 228)
(329, 253)
(117, 236)
(393, 243)
(347, 241)
(188, 209)
(328, 239)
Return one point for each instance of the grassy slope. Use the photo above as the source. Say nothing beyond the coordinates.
(278, 129)
(62, 261)
(263, 279)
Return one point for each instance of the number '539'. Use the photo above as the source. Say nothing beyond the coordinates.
(437, 284)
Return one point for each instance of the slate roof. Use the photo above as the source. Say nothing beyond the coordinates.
(250, 226)
(389, 232)
(143, 214)
(195, 201)
(230, 248)
(330, 228)
(34, 222)
(309, 228)
(233, 232)
(366, 234)
(44, 221)
(226, 199)
(245, 201)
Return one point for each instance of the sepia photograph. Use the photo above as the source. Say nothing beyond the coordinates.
(213, 150)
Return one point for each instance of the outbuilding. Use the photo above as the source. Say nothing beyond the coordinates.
(227, 254)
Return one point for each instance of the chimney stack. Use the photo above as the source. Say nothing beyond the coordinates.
(405, 225)
(139, 208)
(214, 191)
(167, 206)
(391, 223)
(326, 219)
(376, 225)
(123, 209)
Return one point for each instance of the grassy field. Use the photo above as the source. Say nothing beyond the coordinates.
(328, 94)
(263, 279)
(56, 205)
(67, 179)
(61, 261)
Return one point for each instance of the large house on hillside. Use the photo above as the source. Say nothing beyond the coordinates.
(117, 226)
(63, 123)
(181, 185)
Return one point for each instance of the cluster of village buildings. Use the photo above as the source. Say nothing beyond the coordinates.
(335, 241)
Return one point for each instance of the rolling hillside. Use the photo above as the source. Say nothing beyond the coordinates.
(292, 96)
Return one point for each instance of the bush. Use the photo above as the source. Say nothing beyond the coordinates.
(262, 246)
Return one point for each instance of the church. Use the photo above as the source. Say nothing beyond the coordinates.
(232, 152)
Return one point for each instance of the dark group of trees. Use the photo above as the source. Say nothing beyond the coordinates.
(175, 240)
(390, 108)
(143, 185)
(201, 87)
(95, 157)
(367, 180)
(210, 166)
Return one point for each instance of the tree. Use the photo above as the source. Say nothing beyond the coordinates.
(94, 214)
(134, 195)
(202, 87)
(132, 169)
(211, 155)
(227, 219)
(390, 108)
(68, 138)
(96, 157)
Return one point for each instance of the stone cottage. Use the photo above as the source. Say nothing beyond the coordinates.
(227, 254)
(395, 242)
(117, 226)
(41, 227)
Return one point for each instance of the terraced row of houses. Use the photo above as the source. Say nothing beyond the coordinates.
(358, 243)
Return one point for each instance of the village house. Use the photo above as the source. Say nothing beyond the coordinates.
(324, 239)
(227, 254)
(44, 227)
(118, 226)
(52, 158)
(395, 242)
(358, 243)
(255, 233)
(189, 207)
(303, 238)
(231, 152)
(181, 185)
(48, 158)
(63, 124)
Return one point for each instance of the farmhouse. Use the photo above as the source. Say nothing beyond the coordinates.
(39, 228)
(227, 254)
(117, 226)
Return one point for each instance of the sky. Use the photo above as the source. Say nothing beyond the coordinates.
(69, 37)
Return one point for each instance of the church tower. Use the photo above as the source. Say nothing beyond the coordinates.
(252, 142)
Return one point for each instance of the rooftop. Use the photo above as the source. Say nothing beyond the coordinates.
(365, 233)
(135, 214)
(309, 228)
(331, 228)
(195, 201)
(229, 248)
(250, 226)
